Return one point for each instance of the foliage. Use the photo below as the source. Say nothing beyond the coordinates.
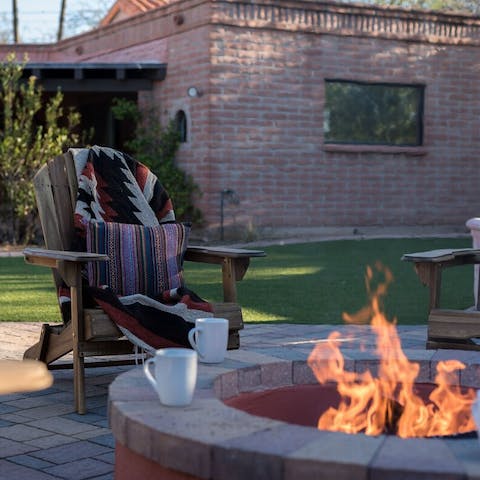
(32, 131)
(84, 15)
(384, 114)
(5, 28)
(156, 146)
(41, 27)
(458, 6)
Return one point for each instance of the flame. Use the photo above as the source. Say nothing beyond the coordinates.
(387, 402)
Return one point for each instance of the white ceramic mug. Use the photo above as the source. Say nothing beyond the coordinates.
(209, 338)
(175, 375)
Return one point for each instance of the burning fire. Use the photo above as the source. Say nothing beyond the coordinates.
(388, 403)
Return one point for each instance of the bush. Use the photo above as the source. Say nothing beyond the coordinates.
(32, 131)
(156, 146)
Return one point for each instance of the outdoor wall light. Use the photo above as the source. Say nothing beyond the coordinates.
(194, 92)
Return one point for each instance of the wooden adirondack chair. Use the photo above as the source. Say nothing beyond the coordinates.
(90, 331)
(447, 328)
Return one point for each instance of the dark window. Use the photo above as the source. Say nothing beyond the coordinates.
(181, 125)
(373, 114)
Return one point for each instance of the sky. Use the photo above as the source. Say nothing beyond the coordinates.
(38, 19)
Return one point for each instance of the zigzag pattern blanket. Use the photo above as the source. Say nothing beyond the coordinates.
(114, 187)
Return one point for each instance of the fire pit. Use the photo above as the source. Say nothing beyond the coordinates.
(306, 404)
(209, 439)
(388, 399)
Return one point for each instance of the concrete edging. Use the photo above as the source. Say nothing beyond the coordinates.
(210, 440)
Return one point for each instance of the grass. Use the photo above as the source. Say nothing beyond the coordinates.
(27, 293)
(302, 283)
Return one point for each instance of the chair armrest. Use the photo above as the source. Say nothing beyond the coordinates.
(67, 264)
(429, 265)
(217, 254)
(51, 258)
(234, 262)
(237, 258)
(443, 255)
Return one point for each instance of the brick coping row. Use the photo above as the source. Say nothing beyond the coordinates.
(211, 440)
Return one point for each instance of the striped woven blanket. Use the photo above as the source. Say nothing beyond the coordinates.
(122, 210)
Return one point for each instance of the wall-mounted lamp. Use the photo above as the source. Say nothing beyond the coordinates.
(194, 92)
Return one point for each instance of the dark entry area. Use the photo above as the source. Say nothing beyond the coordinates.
(97, 119)
(91, 87)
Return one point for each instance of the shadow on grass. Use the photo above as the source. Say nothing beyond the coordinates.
(312, 283)
(316, 282)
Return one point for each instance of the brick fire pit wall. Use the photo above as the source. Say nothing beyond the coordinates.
(209, 440)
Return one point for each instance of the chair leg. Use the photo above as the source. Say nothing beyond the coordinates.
(78, 338)
(79, 383)
(228, 281)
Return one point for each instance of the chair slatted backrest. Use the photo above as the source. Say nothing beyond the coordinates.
(56, 189)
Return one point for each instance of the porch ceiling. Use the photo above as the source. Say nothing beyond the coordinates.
(96, 77)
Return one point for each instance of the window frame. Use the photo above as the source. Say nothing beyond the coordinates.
(419, 117)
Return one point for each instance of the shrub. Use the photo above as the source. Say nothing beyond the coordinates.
(32, 130)
(156, 146)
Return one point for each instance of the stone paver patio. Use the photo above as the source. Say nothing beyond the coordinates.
(42, 438)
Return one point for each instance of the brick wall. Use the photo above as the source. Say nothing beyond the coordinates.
(267, 79)
(257, 129)
(268, 90)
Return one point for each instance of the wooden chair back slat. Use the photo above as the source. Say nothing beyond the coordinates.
(47, 209)
(71, 179)
(56, 191)
(62, 199)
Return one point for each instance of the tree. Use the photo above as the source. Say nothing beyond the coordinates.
(86, 15)
(61, 20)
(32, 131)
(5, 30)
(74, 17)
(458, 6)
(156, 146)
(15, 21)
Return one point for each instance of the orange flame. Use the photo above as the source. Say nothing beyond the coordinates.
(388, 402)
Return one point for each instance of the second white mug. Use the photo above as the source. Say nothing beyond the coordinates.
(175, 375)
(209, 338)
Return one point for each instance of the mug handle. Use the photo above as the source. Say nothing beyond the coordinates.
(192, 338)
(148, 374)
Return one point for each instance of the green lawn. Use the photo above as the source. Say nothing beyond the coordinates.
(26, 292)
(302, 283)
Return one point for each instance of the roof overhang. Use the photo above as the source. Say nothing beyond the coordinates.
(96, 77)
